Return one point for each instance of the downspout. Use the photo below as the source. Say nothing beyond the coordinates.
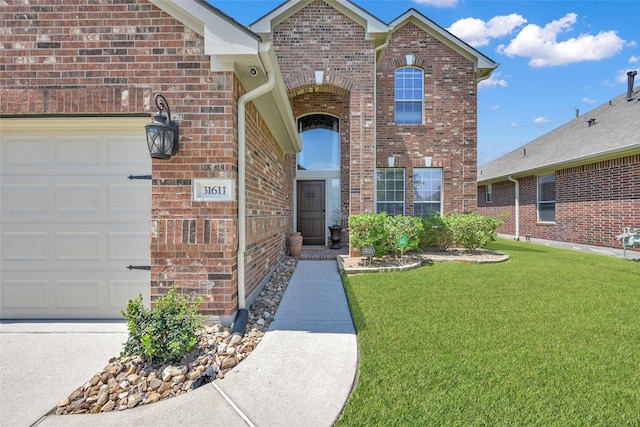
(242, 178)
(375, 125)
(517, 205)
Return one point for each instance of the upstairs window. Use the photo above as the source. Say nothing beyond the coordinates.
(409, 96)
(547, 198)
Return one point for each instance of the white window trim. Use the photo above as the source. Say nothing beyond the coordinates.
(395, 100)
(404, 201)
(441, 190)
(538, 201)
(489, 193)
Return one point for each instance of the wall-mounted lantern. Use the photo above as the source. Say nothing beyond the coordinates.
(162, 133)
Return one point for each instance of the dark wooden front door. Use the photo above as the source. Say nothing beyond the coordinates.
(311, 212)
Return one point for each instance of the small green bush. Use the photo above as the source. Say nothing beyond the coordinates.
(472, 231)
(164, 334)
(368, 229)
(436, 233)
(401, 225)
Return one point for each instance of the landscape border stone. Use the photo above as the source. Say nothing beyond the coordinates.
(355, 265)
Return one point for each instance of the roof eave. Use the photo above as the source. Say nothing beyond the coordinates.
(598, 157)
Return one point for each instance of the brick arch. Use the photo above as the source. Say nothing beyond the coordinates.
(418, 62)
(303, 83)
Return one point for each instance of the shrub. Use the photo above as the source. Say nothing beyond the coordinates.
(368, 229)
(472, 231)
(164, 334)
(436, 233)
(399, 225)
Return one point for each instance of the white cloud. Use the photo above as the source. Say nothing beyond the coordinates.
(494, 107)
(438, 3)
(634, 59)
(540, 120)
(493, 80)
(544, 49)
(514, 125)
(588, 101)
(477, 32)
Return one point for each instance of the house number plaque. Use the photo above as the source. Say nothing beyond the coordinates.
(214, 190)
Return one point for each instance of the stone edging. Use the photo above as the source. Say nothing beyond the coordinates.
(418, 261)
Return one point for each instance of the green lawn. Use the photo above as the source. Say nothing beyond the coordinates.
(549, 338)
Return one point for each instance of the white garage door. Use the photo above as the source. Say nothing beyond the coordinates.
(71, 219)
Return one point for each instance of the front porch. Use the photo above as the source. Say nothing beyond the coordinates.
(322, 253)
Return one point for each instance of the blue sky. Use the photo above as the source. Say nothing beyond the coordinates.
(555, 57)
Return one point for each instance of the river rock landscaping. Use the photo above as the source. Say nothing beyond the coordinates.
(125, 383)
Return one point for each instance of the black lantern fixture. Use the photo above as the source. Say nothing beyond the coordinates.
(162, 133)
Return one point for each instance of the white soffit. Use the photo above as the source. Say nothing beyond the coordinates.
(223, 37)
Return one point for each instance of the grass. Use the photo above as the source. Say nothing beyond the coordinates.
(549, 338)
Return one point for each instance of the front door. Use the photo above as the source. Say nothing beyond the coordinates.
(311, 212)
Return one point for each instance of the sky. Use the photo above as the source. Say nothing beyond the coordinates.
(556, 57)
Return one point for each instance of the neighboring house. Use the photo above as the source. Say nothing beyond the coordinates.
(579, 183)
(387, 113)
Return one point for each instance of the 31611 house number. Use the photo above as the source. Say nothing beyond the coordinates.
(214, 190)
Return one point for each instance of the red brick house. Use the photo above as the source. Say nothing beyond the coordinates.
(387, 113)
(579, 183)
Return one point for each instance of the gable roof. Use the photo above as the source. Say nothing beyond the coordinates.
(613, 132)
(483, 64)
(374, 27)
(377, 30)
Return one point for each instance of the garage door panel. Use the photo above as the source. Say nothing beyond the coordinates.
(126, 151)
(25, 246)
(96, 294)
(72, 196)
(77, 151)
(71, 220)
(128, 247)
(77, 295)
(77, 246)
(20, 151)
(77, 198)
(129, 198)
(24, 294)
(25, 199)
(121, 291)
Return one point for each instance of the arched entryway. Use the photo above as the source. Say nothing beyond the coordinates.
(318, 177)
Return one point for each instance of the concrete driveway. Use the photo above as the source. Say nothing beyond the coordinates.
(41, 363)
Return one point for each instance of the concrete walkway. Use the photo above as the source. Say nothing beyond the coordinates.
(301, 373)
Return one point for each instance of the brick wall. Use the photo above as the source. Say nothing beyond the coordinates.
(334, 101)
(112, 57)
(319, 38)
(449, 133)
(594, 202)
